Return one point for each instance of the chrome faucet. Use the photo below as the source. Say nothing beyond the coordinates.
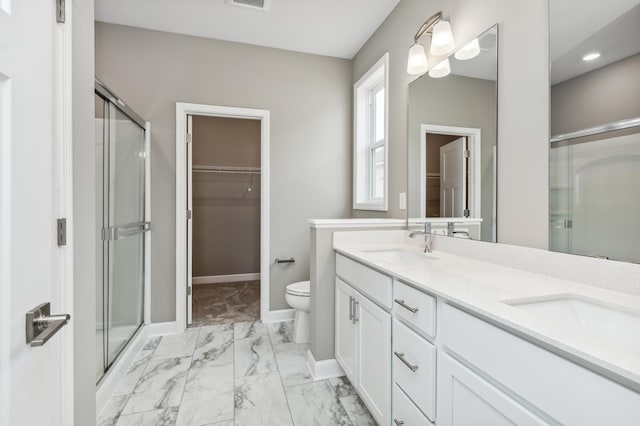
(451, 231)
(427, 236)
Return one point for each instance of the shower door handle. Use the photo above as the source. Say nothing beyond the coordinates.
(120, 232)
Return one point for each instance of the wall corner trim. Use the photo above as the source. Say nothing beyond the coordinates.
(322, 370)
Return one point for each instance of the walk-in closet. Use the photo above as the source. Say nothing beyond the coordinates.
(224, 187)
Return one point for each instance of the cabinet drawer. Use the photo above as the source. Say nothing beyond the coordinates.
(414, 367)
(405, 412)
(416, 308)
(567, 392)
(372, 283)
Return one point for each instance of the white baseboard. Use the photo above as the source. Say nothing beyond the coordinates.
(322, 370)
(162, 328)
(279, 316)
(216, 279)
(119, 368)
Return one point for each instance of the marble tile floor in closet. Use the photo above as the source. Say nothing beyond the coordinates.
(225, 303)
(245, 373)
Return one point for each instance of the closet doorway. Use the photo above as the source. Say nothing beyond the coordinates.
(224, 210)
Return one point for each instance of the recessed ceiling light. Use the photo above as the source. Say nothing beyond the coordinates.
(591, 56)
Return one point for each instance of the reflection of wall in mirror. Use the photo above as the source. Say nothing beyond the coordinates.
(453, 101)
(605, 95)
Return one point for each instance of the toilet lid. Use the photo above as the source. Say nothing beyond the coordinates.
(301, 288)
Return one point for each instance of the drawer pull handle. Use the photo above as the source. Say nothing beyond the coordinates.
(400, 355)
(404, 305)
(398, 422)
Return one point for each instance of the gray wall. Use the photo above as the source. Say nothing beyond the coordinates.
(601, 96)
(309, 98)
(523, 102)
(84, 215)
(226, 215)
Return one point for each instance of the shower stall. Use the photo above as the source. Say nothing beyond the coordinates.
(121, 165)
(593, 196)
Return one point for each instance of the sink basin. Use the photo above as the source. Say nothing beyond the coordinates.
(397, 256)
(589, 318)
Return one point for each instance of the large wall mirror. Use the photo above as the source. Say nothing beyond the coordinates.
(595, 126)
(452, 131)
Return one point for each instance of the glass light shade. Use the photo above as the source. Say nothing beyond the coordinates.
(468, 51)
(442, 39)
(442, 69)
(417, 62)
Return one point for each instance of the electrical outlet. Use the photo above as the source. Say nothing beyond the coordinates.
(403, 200)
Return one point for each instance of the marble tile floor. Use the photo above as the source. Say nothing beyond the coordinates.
(243, 373)
(224, 303)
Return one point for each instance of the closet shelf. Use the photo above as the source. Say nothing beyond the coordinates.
(226, 169)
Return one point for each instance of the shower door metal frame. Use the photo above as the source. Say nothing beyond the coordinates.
(107, 234)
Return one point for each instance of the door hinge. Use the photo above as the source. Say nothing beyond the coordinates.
(60, 14)
(188, 291)
(61, 231)
(467, 153)
(467, 212)
(189, 214)
(189, 137)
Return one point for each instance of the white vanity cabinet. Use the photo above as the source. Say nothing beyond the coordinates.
(420, 360)
(363, 334)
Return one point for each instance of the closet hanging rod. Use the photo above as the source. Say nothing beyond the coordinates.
(224, 169)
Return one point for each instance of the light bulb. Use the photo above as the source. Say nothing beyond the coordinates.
(442, 69)
(468, 51)
(417, 62)
(442, 39)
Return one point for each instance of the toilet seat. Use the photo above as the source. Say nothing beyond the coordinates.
(301, 288)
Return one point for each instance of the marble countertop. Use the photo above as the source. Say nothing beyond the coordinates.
(482, 288)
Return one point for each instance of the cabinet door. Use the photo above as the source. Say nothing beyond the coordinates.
(374, 358)
(464, 398)
(346, 329)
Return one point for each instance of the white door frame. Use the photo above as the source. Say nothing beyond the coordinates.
(182, 110)
(474, 144)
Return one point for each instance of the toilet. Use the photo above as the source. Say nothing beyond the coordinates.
(298, 296)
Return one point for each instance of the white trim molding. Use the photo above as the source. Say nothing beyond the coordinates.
(322, 370)
(182, 110)
(279, 316)
(356, 223)
(376, 76)
(217, 279)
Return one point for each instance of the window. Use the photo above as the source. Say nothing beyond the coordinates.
(370, 138)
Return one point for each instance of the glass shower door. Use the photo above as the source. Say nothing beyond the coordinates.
(123, 235)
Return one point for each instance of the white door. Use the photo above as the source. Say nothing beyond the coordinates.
(346, 330)
(36, 384)
(452, 178)
(189, 219)
(374, 358)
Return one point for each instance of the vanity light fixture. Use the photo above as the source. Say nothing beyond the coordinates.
(442, 69)
(591, 56)
(441, 43)
(468, 51)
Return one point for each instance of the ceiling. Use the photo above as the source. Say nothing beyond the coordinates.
(610, 27)
(337, 28)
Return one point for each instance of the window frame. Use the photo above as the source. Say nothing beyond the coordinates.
(364, 132)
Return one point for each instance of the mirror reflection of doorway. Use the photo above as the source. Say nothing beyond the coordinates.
(450, 171)
(447, 176)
